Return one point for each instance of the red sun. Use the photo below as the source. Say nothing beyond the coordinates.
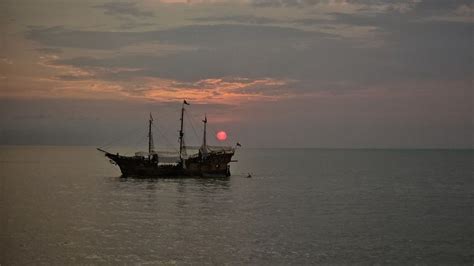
(221, 135)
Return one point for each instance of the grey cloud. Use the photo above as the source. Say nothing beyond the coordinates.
(417, 11)
(133, 25)
(73, 78)
(124, 9)
(306, 3)
(238, 35)
(269, 51)
(49, 50)
(439, 6)
(412, 32)
(423, 6)
(286, 3)
(258, 62)
(311, 21)
(247, 19)
(412, 50)
(61, 37)
(251, 19)
(207, 35)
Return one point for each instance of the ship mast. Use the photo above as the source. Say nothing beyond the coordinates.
(181, 132)
(204, 142)
(150, 137)
(203, 149)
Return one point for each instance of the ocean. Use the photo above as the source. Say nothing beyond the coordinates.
(68, 205)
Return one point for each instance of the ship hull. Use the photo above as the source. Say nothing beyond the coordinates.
(143, 167)
(213, 166)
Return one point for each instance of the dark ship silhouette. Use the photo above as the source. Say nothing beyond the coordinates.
(210, 161)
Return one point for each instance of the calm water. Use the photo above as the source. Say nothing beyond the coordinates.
(67, 205)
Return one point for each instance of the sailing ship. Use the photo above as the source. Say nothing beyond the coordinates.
(210, 161)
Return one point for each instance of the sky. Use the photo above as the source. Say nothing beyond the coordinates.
(271, 73)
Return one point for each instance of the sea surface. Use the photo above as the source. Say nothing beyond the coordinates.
(68, 205)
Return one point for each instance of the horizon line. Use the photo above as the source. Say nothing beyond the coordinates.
(263, 148)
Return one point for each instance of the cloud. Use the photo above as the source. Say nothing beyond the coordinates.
(285, 3)
(246, 19)
(412, 50)
(437, 7)
(199, 1)
(229, 34)
(209, 35)
(308, 3)
(421, 7)
(260, 20)
(6, 60)
(217, 52)
(430, 47)
(49, 50)
(124, 9)
(229, 90)
(83, 76)
(270, 51)
(59, 36)
(409, 47)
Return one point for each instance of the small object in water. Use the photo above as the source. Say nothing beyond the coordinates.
(249, 175)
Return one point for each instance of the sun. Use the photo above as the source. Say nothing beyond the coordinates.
(221, 135)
